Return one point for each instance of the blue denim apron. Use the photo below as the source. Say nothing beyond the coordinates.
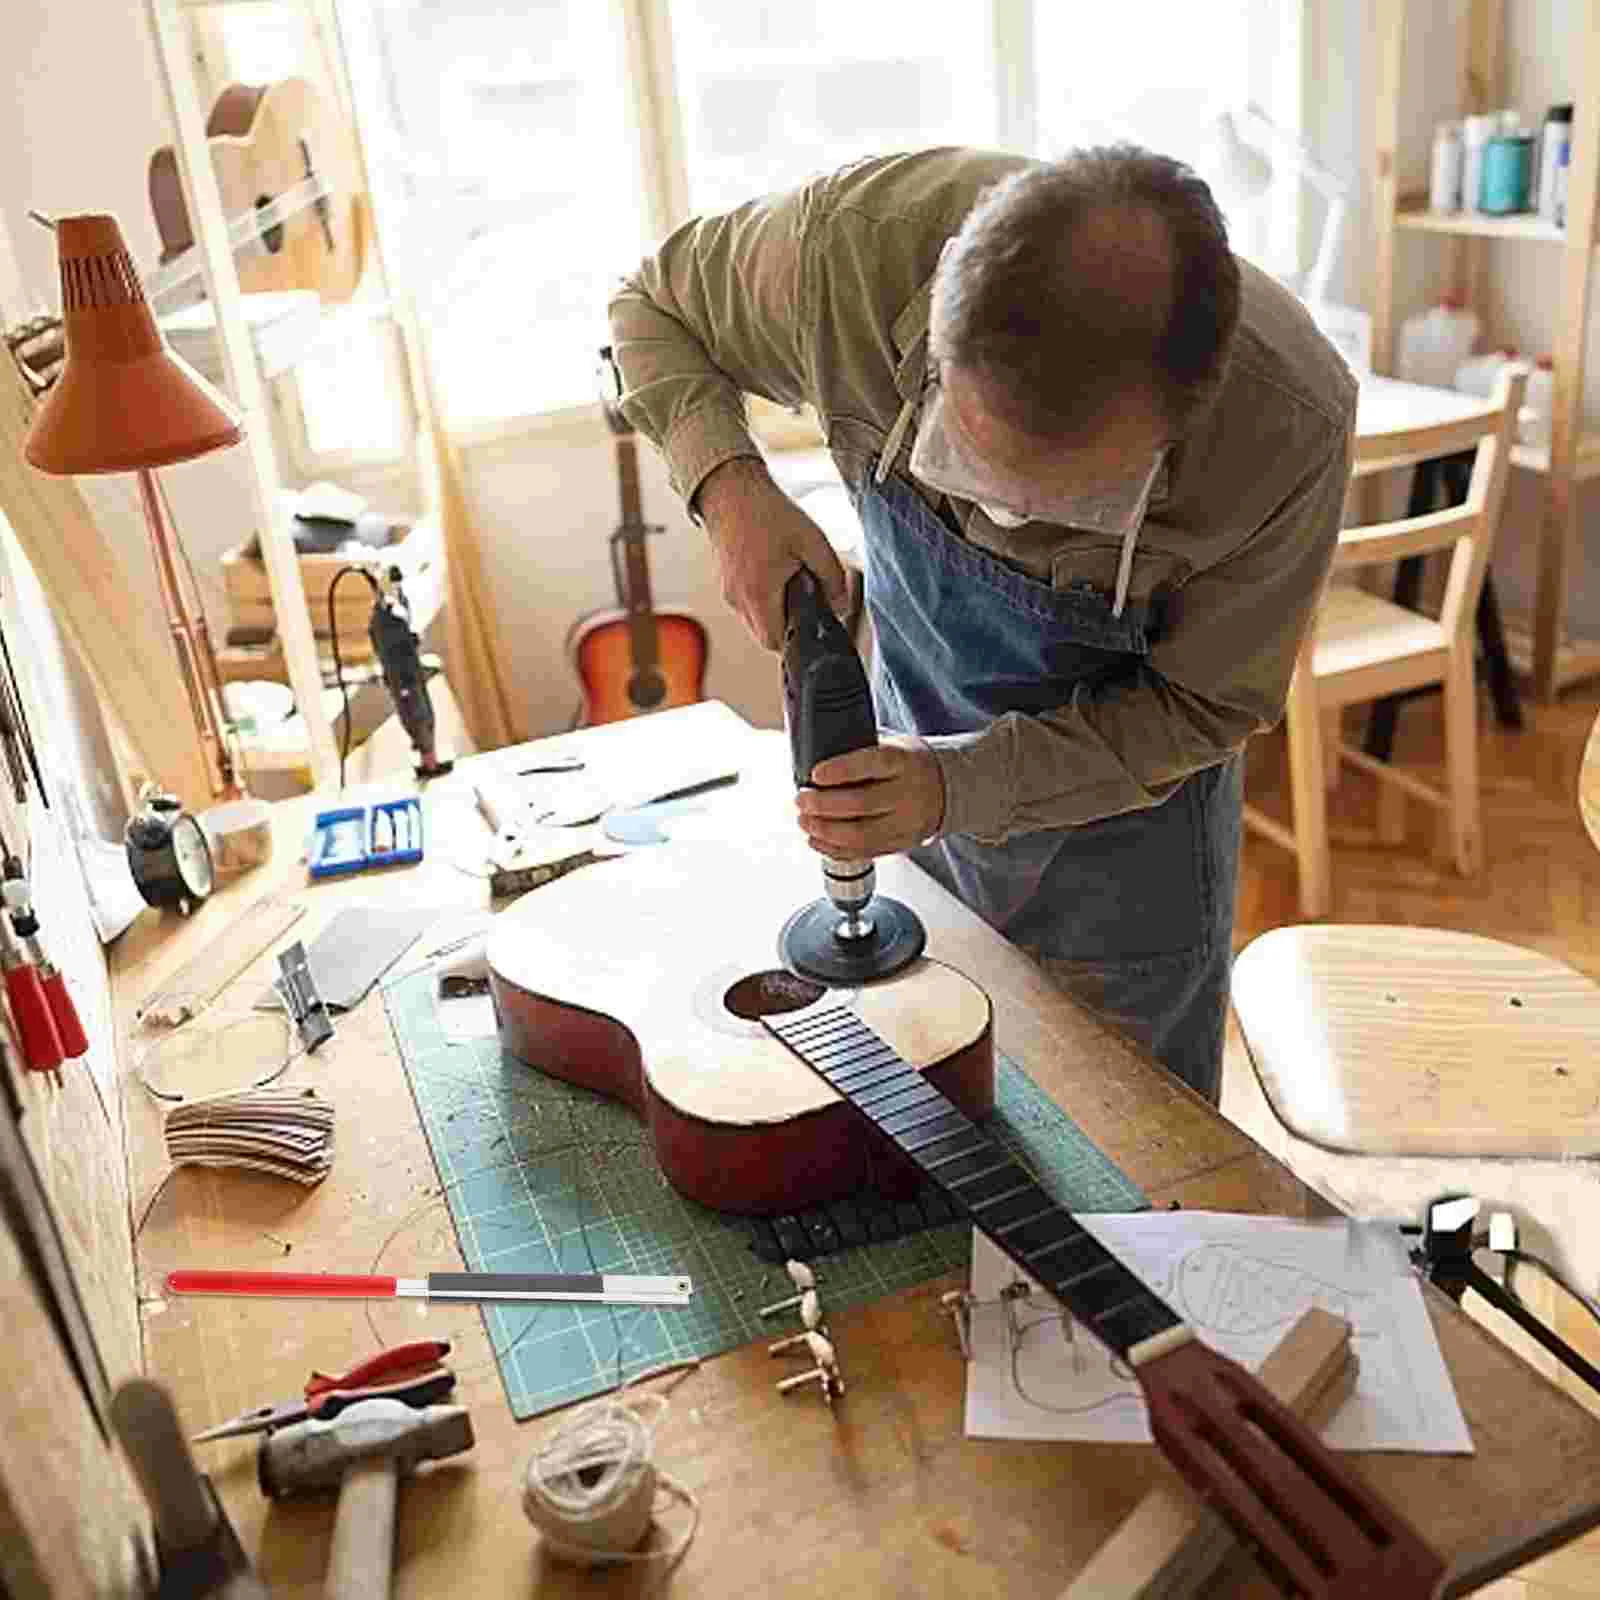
(1131, 915)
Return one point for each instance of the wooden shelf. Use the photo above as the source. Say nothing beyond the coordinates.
(1536, 458)
(1526, 225)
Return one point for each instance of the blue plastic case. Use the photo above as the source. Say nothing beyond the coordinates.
(353, 838)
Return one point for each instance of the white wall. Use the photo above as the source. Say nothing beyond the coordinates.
(547, 514)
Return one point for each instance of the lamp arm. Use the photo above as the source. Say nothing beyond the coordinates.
(1323, 179)
(1317, 280)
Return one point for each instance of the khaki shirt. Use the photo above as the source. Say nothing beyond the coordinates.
(821, 295)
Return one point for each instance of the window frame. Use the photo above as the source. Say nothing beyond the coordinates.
(646, 66)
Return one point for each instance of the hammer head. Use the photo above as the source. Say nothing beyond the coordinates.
(312, 1457)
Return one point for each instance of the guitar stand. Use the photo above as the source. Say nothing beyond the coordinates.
(1445, 1258)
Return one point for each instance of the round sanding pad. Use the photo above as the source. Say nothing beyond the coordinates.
(810, 945)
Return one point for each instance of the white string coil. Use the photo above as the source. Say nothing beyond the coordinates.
(592, 1488)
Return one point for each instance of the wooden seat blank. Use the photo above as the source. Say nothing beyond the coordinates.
(1415, 1041)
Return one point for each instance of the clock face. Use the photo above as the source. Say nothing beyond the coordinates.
(192, 857)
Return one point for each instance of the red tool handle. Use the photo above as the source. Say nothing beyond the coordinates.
(420, 1354)
(36, 1027)
(313, 1285)
(74, 1041)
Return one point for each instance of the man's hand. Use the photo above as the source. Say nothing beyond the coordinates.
(873, 802)
(762, 538)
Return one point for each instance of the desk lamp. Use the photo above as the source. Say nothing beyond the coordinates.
(125, 403)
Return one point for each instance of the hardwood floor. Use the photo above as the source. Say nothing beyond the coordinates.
(1540, 888)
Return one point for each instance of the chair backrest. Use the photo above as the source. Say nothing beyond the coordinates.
(1469, 528)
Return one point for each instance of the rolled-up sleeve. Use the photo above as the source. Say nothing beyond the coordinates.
(718, 312)
(1220, 674)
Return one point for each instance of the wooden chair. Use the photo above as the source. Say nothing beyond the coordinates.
(1363, 648)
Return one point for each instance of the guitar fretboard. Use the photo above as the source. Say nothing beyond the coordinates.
(983, 1180)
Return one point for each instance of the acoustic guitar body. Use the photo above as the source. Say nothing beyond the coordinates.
(265, 140)
(600, 648)
(643, 978)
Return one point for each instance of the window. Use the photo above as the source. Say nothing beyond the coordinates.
(772, 91)
(526, 152)
(499, 136)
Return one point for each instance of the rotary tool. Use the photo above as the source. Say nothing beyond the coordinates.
(400, 656)
(851, 935)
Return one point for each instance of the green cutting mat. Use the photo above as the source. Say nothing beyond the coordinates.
(541, 1176)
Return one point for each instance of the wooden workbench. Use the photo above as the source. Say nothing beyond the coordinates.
(884, 1498)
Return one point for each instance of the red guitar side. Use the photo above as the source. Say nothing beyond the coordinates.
(634, 658)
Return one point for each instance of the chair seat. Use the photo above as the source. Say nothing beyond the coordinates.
(1415, 1041)
(1357, 630)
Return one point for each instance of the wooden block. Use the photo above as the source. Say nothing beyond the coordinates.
(1172, 1544)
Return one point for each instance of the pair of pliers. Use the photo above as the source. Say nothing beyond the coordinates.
(407, 1372)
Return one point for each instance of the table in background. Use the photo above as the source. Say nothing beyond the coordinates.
(886, 1496)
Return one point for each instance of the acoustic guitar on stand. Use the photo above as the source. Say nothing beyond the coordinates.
(635, 657)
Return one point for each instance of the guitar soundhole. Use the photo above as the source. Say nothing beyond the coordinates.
(647, 689)
(271, 237)
(770, 994)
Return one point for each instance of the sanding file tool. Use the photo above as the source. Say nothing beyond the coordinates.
(852, 934)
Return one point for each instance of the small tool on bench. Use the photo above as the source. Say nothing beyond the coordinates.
(853, 934)
(409, 1373)
(298, 991)
(198, 1551)
(361, 1454)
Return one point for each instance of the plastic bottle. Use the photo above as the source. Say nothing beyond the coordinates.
(1476, 132)
(1533, 426)
(1476, 375)
(1444, 175)
(1433, 343)
(1555, 136)
(1507, 174)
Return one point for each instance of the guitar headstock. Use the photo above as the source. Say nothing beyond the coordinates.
(1315, 1526)
(608, 377)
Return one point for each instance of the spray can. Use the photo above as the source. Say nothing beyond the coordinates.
(1554, 138)
(1444, 174)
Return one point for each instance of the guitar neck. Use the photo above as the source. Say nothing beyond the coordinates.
(983, 1179)
(1317, 1528)
(634, 594)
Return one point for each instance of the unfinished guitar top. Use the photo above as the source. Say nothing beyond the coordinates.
(643, 977)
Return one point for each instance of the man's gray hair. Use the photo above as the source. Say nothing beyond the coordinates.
(1076, 287)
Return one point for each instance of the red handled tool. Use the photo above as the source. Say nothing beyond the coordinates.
(19, 901)
(30, 1008)
(407, 1372)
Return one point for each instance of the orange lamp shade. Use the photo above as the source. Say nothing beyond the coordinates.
(123, 400)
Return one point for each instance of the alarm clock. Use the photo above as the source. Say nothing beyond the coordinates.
(169, 855)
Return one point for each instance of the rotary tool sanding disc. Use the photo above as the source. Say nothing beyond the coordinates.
(811, 946)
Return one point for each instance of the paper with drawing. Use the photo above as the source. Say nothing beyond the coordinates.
(1240, 1282)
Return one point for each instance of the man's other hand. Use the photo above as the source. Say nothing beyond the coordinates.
(873, 802)
(762, 538)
